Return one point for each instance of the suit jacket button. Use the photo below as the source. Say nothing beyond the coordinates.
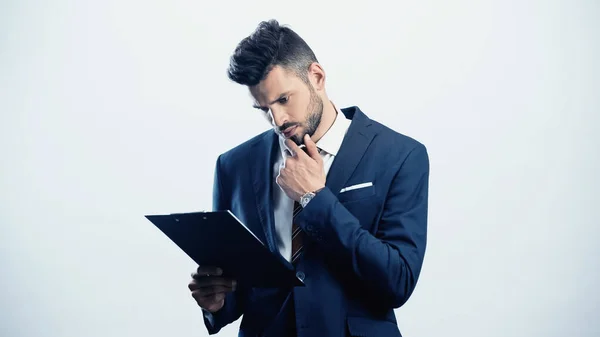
(300, 275)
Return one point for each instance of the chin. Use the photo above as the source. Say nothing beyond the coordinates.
(297, 136)
(298, 139)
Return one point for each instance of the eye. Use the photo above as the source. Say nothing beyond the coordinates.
(283, 100)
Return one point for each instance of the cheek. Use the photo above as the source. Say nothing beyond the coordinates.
(299, 112)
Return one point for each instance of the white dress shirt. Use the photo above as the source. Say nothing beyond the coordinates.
(329, 145)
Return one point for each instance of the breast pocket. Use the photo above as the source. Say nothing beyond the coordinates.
(356, 192)
(363, 203)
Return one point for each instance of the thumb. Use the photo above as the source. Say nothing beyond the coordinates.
(311, 148)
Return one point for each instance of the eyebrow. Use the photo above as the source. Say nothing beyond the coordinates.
(257, 106)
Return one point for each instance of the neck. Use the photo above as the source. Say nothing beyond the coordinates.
(327, 119)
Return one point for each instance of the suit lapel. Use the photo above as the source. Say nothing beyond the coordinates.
(266, 149)
(354, 146)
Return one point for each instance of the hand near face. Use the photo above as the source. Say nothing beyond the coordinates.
(302, 172)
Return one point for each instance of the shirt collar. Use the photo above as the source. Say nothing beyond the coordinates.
(332, 139)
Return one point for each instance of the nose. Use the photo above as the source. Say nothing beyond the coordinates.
(277, 117)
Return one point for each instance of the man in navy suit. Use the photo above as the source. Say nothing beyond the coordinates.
(340, 196)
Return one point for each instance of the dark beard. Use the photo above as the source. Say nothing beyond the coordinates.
(315, 112)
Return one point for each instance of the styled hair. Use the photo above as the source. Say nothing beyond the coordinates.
(269, 45)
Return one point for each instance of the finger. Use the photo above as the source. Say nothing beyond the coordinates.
(211, 290)
(197, 276)
(212, 281)
(205, 293)
(209, 271)
(195, 285)
(214, 298)
(289, 167)
(311, 148)
(210, 300)
(292, 146)
(216, 305)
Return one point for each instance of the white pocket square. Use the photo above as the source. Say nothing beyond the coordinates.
(354, 187)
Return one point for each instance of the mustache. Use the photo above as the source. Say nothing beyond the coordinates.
(285, 126)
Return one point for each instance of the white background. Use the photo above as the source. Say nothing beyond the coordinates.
(110, 110)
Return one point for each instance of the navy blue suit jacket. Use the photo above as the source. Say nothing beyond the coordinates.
(364, 248)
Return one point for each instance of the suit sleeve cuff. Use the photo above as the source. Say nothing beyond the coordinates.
(312, 216)
(214, 322)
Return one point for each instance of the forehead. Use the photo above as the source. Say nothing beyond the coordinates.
(278, 81)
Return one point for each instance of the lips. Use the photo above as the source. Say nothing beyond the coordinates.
(287, 133)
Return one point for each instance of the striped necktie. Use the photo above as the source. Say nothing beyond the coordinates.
(297, 234)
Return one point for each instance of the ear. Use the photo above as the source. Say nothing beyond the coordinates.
(316, 74)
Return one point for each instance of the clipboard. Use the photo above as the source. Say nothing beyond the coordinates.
(220, 239)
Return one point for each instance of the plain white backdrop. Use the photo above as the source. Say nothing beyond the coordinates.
(110, 110)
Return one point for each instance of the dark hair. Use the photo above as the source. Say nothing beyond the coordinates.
(269, 45)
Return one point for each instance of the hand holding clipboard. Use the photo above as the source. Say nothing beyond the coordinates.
(219, 239)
